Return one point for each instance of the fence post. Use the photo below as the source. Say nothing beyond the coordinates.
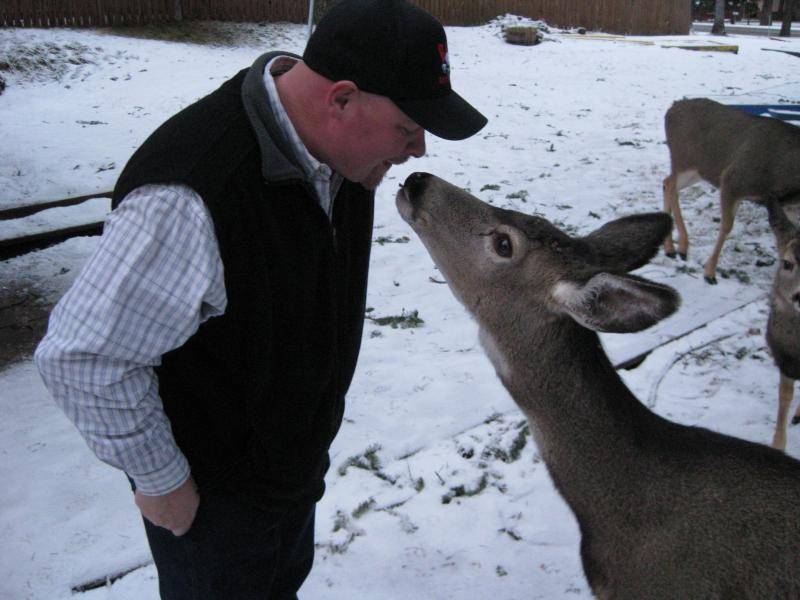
(310, 17)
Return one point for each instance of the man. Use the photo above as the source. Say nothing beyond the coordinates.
(207, 346)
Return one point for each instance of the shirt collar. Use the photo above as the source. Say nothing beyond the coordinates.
(312, 168)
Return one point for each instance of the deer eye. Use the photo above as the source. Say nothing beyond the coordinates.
(502, 245)
(787, 265)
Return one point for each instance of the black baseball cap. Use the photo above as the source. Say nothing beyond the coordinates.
(395, 49)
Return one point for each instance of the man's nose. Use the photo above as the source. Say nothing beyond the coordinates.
(416, 146)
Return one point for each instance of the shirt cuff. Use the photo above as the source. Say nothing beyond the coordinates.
(164, 480)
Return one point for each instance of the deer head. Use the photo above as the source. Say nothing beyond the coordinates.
(786, 288)
(503, 264)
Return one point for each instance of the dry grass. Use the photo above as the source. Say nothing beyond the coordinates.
(209, 33)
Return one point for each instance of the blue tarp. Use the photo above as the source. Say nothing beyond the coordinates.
(784, 112)
(779, 101)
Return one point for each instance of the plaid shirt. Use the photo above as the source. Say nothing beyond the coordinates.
(154, 278)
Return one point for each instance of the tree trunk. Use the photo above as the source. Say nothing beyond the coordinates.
(719, 18)
(765, 16)
(178, 11)
(788, 13)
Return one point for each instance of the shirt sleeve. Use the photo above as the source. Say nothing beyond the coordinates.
(155, 276)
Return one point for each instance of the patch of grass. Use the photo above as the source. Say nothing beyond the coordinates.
(493, 418)
(403, 320)
(369, 461)
(740, 275)
(363, 508)
(466, 452)
(514, 450)
(462, 491)
(45, 60)
(566, 227)
(341, 522)
(207, 33)
(490, 186)
(387, 239)
(518, 443)
(511, 533)
(520, 195)
(686, 269)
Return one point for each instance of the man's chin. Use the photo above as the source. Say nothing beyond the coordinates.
(373, 180)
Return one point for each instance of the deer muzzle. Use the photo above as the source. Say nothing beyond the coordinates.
(409, 194)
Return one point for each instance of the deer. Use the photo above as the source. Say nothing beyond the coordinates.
(783, 324)
(665, 510)
(743, 155)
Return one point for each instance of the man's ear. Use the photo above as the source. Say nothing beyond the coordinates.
(340, 94)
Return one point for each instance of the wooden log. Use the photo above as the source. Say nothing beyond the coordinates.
(523, 35)
(12, 247)
(720, 48)
(31, 209)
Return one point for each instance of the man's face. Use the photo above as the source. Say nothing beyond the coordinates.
(376, 134)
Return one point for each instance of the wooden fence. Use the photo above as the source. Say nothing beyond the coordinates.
(640, 17)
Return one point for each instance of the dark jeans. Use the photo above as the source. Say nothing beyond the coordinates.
(234, 551)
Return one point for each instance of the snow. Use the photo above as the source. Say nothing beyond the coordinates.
(575, 134)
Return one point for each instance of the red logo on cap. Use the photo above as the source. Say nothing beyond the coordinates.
(444, 78)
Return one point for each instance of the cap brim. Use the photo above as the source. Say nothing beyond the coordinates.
(450, 117)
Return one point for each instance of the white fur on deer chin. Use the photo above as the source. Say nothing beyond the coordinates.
(495, 355)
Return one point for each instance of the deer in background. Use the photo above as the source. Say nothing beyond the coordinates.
(783, 326)
(742, 155)
(665, 511)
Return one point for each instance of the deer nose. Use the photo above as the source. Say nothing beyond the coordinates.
(415, 184)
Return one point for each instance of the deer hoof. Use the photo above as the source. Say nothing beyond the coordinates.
(795, 419)
(683, 256)
(670, 254)
(710, 280)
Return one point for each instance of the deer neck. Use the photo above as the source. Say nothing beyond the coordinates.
(583, 418)
(782, 328)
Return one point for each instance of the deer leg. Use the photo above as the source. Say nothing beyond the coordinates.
(785, 395)
(669, 190)
(728, 206)
(673, 184)
(683, 240)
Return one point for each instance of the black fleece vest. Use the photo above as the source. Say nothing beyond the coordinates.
(256, 396)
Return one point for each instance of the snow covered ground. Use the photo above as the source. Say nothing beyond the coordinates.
(428, 497)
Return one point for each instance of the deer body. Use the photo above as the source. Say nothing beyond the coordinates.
(665, 511)
(744, 156)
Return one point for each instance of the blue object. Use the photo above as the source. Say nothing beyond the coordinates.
(784, 112)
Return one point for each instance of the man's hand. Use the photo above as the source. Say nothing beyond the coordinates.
(174, 511)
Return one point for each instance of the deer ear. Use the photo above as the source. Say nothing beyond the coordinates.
(630, 242)
(616, 303)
